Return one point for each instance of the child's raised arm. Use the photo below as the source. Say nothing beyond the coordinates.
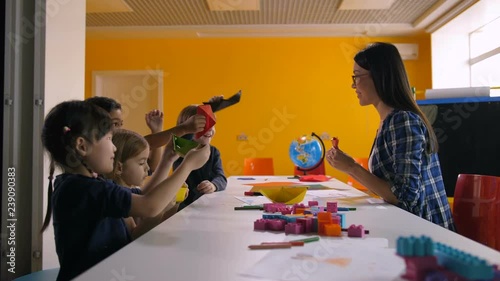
(153, 202)
(161, 173)
(154, 120)
(192, 125)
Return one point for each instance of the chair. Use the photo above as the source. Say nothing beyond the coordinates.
(476, 208)
(258, 167)
(43, 275)
(351, 181)
(320, 170)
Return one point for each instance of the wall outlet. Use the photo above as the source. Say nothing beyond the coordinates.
(242, 137)
(325, 136)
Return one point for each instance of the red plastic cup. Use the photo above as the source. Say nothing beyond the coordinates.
(476, 208)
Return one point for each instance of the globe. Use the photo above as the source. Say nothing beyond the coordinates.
(307, 152)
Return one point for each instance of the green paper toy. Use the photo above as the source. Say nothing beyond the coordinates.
(182, 146)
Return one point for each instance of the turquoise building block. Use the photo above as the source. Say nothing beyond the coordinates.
(462, 263)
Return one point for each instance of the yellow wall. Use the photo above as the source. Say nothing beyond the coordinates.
(290, 86)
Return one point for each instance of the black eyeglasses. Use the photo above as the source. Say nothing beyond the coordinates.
(356, 76)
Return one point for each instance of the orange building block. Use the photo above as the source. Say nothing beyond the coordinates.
(299, 210)
(333, 230)
(325, 217)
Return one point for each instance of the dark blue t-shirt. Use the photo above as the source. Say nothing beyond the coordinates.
(88, 221)
(211, 170)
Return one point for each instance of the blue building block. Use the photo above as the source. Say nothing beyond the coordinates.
(272, 216)
(452, 260)
(464, 264)
(342, 220)
(315, 225)
(415, 247)
(291, 219)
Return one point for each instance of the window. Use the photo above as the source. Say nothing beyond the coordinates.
(485, 56)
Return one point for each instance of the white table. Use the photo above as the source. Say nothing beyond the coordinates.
(208, 240)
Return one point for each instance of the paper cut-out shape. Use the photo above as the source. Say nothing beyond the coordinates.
(257, 187)
(314, 178)
(206, 111)
(272, 183)
(285, 194)
(182, 146)
(219, 105)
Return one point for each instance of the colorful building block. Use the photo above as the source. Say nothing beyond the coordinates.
(342, 220)
(260, 224)
(312, 203)
(307, 223)
(300, 207)
(315, 225)
(331, 207)
(429, 261)
(336, 219)
(276, 225)
(332, 230)
(272, 216)
(356, 231)
(271, 207)
(294, 228)
(464, 264)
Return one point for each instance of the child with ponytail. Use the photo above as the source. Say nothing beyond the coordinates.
(88, 211)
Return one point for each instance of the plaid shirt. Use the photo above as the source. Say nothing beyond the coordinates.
(399, 157)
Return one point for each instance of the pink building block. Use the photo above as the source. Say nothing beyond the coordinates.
(331, 207)
(307, 223)
(284, 210)
(271, 207)
(335, 219)
(417, 268)
(276, 225)
(294, 228)
(260, 224)
(297, 206)
(356, 231)
(312, 203)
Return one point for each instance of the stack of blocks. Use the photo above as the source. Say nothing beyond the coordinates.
(426, 260)
(301, 219)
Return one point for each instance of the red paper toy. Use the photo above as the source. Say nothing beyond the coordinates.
(206, 110)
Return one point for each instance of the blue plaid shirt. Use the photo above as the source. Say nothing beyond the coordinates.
(399, 157)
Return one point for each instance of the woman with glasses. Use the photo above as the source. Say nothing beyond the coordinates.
(403, 165)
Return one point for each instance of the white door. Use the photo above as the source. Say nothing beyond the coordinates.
(137, 91)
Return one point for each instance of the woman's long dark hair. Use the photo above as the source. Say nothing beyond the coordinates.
(391, 82)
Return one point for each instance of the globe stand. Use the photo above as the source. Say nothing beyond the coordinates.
(310, 169)
(319, 162)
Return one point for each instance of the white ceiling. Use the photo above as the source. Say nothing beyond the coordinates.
(267, 18)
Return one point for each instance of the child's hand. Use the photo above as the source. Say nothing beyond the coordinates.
(171, 154)
(206, 187)
(197, 157)
(195, 124)
(339, 160)
(154, 120)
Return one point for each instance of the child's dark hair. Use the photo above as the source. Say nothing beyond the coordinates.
(65, 123)
(106, 103)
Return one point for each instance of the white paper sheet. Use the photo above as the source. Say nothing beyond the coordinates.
(335, 193)
(342, 259)
(253, 200)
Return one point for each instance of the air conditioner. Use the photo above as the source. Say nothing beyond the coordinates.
(407, 51)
